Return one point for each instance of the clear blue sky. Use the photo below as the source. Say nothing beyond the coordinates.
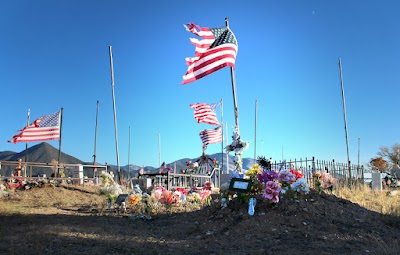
(55, 54)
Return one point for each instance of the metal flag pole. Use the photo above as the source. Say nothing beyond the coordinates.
(95, 133)
(344, 115)
(26, 144)
(129, 153)
(222, 134)
(358, 156)
(227, 154)
(238, 155)
(255, 133)
(59, 142)
(235, 107)
(115, 114)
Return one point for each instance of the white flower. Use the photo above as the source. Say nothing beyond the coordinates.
(301, 185)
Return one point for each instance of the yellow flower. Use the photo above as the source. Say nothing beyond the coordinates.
(254, 170)
(134, 199)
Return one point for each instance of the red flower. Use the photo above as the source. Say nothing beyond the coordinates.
(296, 173)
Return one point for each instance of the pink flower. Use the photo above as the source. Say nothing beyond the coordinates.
(158, 192)
(286, 177)
(182, 190)
(271, 191)
(207, 185)
(204, 194)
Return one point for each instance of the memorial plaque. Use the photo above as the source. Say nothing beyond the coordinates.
(240, 185)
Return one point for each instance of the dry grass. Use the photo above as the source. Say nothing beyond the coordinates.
(27, 202)
(374, 200)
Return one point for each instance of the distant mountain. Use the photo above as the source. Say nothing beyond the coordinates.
(5, 155)
(43, 153)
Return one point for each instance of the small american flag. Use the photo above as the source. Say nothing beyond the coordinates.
(43, 129)
(217, 50)
(205, 113)
(210, 136)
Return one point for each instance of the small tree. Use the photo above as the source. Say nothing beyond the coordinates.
(379, 164)
(391, 154)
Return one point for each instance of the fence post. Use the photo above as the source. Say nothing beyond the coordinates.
(313, 165)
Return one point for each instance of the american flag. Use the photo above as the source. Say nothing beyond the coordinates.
(205, 113)
(217, 50)
(210, 136)
(43, 129)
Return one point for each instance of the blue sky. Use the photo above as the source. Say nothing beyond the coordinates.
(55, 54)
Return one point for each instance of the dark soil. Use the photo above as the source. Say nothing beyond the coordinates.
(315, 224)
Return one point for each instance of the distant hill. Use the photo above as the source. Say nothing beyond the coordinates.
(43, 153)
(5, 155)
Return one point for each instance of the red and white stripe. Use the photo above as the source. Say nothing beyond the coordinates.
(206, 60)
(211, 136)
(34, 133)
(204, 113)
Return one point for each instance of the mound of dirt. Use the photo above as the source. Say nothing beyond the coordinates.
(314, 224)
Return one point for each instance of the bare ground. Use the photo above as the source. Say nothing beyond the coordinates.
(315, 224)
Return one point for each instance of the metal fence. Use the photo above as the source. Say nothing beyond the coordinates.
(308, 166)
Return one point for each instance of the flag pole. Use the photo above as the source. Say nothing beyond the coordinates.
(59, 142)
(95, 139)
(115, 114)
(235, 107)
(95, 133)
(255, 132)
(345, 119)
(227, 154)
(129, 152)
(222, 133)
(26, 144)
(238, 155)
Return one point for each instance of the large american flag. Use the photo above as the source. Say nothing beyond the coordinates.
(43, 129)
(205, 113)
(210, 136)
(217, 50)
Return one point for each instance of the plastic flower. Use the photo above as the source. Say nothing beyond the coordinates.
(254, 170)
(205, 194)
(182, 190)
(207, 186)
(134, 199)
(215, 162)
(296, 173)
(158, 191)
(194, 197)
(328, 181)
(267, 176)
(286, 177)
(301, 185)
(271, 191)
(178, 196)
(317, 174)
(167, 197)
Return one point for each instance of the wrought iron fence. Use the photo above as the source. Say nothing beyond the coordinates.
(308, 166)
